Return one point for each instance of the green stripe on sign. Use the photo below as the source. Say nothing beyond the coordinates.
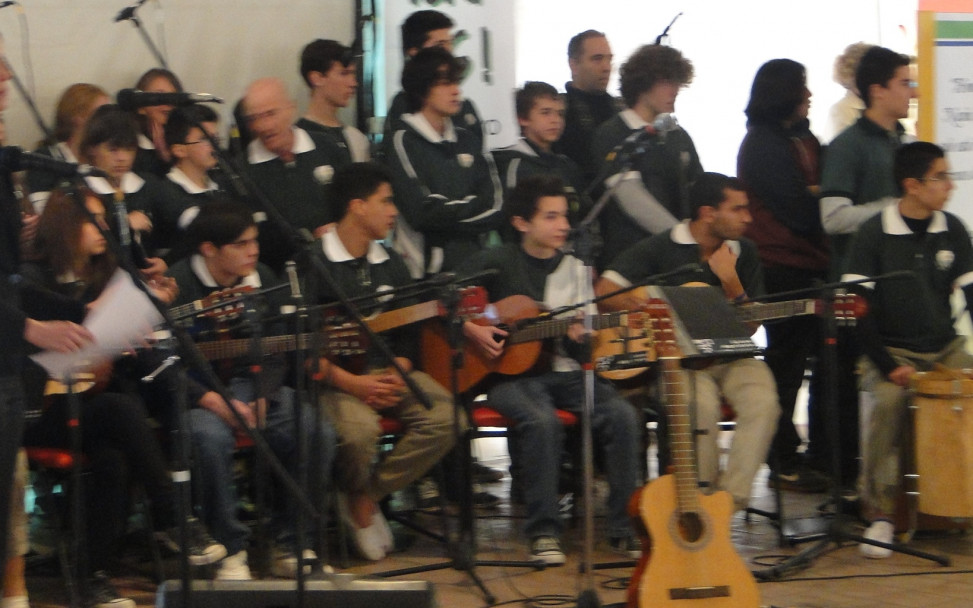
(954, 30)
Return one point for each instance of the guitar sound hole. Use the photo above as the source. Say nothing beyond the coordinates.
(690, 527)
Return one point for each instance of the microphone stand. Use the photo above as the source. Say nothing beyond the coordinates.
(837, 531)
(128, 14)
(461, 549)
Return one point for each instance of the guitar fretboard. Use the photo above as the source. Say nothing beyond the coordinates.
(681, 436)
(552, 328)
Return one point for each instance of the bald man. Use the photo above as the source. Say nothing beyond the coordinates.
(292, 167)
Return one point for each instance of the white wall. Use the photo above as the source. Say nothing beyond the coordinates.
(726, 41)
(214, 46)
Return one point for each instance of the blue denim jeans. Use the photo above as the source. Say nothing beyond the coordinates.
(214, 443)
(530, 402)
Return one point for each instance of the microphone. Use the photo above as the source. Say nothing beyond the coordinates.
(126, 13)
(13, 158)
(7, 3)
(133, 99)
(664, 123)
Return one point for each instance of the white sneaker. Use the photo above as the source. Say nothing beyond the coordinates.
(547, 550)
(285, 563)
(372, 542)
(234, 568)
(15, 601)
(882, 531)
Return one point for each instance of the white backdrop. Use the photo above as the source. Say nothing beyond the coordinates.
(214, 46)
(726, 41)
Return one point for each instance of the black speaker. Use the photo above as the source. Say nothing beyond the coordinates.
(343, 590)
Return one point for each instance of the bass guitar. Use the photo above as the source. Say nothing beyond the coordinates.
(692, 557)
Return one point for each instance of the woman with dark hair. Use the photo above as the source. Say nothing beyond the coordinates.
(119, 445)
(779, 163)
(153, 154)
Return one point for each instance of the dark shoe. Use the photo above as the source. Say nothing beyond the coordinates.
(804, 480)
(101, 593)
(485, 500)
(547, 549)
(483, 474)
(203, 549)
(626, 546)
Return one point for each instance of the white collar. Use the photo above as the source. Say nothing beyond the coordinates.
(523, 147)
(258, 153)
(419, 122)
(65, 151)
(179, 176)
(892, 222)
(198, 265)
(130, 183)
(336, 251)
(145, 143)
(632, 120)
(681, 235)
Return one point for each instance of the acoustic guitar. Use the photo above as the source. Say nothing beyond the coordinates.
(627, 350)
(521, 317)
(692, 557)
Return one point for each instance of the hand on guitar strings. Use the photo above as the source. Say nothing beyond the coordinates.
(489, 339)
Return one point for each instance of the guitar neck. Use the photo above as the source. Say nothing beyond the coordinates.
(776, 310)
(271, 345)
(552, 328)
(676, 390)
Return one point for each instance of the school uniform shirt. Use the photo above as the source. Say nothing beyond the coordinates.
(676, 247)
(299, 190)
(650, 192)
(913, 313)
(379, 270)
(448, 193)
(354, 146)
(195, 283)
(551, 282)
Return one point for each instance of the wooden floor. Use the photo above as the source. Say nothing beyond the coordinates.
(836, 577)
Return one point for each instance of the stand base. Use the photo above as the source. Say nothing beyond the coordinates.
(342, 590)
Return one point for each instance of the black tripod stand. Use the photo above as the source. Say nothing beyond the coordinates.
(838, 531)
(461, 545)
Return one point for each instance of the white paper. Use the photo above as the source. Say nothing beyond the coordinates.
(122, 318)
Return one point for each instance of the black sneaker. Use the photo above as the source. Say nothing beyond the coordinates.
(101, 593)
(547, 550)
(803, 480)
(203, 549)
(484, 474)
(626, 546)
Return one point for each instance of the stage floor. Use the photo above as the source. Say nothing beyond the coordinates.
(840, 578)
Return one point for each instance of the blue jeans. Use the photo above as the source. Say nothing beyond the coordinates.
(214, 443)
(531, 402)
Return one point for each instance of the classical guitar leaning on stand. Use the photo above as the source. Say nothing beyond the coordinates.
(688, 554)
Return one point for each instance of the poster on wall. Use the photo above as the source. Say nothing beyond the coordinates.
(483, 33)
(946, 96)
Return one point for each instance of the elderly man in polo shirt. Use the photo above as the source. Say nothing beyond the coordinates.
(292, 167)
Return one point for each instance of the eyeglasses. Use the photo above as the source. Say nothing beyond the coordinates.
(945, 176)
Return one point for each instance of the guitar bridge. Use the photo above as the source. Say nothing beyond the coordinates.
(699, 593)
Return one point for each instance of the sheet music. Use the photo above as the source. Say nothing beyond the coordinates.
(123, 317)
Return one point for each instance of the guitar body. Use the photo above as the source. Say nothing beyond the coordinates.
(516, 358)
(694, 564)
